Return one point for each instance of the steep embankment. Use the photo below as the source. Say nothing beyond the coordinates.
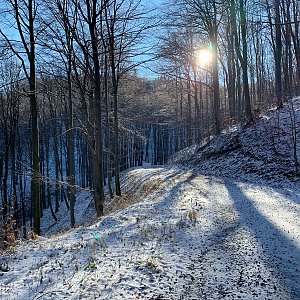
(269, 150)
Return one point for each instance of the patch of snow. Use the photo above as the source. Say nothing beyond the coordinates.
(193, 237)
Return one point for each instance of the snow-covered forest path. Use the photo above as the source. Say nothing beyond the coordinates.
(193, 237)
(254, 250)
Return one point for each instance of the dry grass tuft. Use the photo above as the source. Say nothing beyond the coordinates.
(120, 202)
(127, 200)
(150, 186)
(193, 215)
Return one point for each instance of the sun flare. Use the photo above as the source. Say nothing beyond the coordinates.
(204, 57)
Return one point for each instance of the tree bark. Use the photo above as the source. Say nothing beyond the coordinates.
(34, 127)
(98, 147)
(278, 55)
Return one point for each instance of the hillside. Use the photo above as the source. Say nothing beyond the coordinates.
(221, 221)
(269, 150)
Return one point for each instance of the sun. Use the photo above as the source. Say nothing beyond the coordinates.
(204, 57)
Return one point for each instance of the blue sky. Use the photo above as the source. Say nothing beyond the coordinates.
(146, 69)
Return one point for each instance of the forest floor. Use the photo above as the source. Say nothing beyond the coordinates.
(192, 237)
(220, 221)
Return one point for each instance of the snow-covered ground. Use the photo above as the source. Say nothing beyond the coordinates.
(192, 237)
(263, 151)
(221, 221)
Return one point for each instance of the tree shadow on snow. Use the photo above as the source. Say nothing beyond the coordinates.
(282, 254)
(176, 190)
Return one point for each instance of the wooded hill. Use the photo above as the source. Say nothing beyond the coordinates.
(75, 111)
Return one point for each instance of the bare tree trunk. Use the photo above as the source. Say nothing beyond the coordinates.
(296, 36)
(34, 125)
(108, 135)
(116, 126)
(278, 55)
(49, 202)
(216, 88)
(71, 146)
(111, 23)
(98, 149)
(231, 63)
(244, 63)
